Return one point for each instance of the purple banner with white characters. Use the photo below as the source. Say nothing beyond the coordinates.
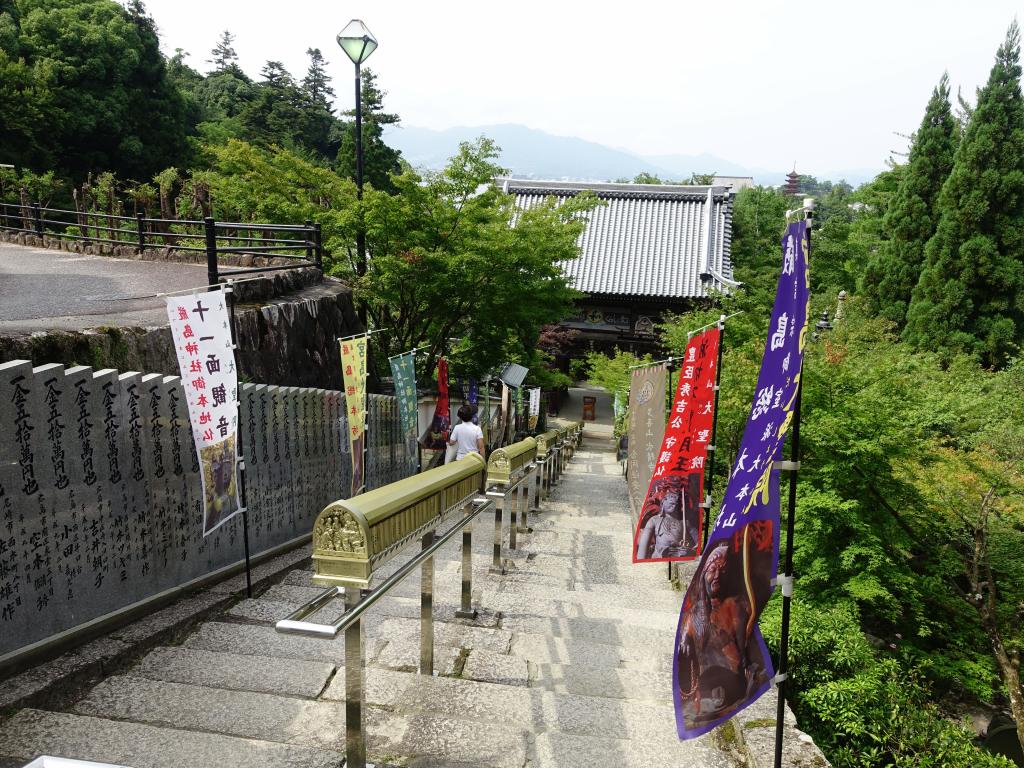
(721, 662)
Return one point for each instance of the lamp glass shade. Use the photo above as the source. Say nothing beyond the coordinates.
(357, 41)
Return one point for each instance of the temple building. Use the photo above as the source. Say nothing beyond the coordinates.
(650, 249)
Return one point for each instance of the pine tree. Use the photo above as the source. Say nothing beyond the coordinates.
(912, 217)
(316, 85)
(971, 292)
(223, 56)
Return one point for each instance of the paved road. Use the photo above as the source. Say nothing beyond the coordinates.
(44, 290)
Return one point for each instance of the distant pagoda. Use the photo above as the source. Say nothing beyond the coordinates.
(793, 182)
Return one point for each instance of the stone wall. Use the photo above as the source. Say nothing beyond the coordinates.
(100, 496)
(288, 324)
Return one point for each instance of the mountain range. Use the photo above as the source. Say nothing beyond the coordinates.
(531, 153)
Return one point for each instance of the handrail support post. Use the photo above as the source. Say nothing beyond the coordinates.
(427, 609)
(466, 608)
(355, 740)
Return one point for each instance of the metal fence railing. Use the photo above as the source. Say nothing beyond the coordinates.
(283, 246)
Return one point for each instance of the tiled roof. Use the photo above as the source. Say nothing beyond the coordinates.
(647, 239)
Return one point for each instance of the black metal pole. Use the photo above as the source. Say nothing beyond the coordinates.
(140, 217)
(212, 276)
(360, 231)
(787, 587)
(319, 246)
(672, 366)
(310, 237)
(38, 215)
(709, 476)
(229, 296)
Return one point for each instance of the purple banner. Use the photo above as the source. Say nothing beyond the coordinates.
(721, 662)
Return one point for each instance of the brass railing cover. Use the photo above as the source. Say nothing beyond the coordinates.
(353, 537)
(544, 442)
(505, 463)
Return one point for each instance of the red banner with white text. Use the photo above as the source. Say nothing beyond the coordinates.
(671, 518)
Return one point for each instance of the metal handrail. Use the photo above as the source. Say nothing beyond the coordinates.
(293, 624)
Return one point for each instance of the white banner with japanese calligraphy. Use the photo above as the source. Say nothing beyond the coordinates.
(534, 408)
(201, 330)
(353, 367)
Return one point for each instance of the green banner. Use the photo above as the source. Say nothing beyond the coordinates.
(403, 370)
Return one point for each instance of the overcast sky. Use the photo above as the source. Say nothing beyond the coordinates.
(762, 83)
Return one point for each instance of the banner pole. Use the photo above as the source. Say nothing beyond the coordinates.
(709, 476)
(670, 392)
(229, 296)
(786, 582)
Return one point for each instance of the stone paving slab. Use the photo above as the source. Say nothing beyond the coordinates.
(32, 732)
(515, 604)
(235, 713)
(607, 631)
(265, 674)
(496, 668)
(253, 640)
(611, 682)
(535, 710)
(402, 653)
(559, 750)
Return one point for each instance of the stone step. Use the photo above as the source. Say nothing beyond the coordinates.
(605, 681)
(604, 631)
(541, 649)
(517, 604)
(269, 612)
(539, 711)
(666, 601)
(563, 750)
(31, 733)
(262, 674)
(316, 724)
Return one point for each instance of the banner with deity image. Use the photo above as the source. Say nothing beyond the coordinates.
(670, 521)
(721, 662)
(534, 408)
(436, 437)
(403, 371)
(646, 429)
(201, 331)
(353, 367)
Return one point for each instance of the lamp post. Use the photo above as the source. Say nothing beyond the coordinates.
(358, 43)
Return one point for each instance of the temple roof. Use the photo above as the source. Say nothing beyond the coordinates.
(654, 240)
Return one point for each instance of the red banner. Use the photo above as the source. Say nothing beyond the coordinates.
(436, 438)
(671, 522)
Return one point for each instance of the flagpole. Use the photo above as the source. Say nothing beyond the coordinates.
(670, 366)
(709, 476)
(786, 580)
(229, 296)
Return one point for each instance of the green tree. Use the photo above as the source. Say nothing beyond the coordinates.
(893, 272)
(86, 89)
(969, 296)
(320, 129)
(450, 256)
(380, 161)
(274, 114)
(646, 178)
(223, 56)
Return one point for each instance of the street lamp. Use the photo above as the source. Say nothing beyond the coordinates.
(358, 43)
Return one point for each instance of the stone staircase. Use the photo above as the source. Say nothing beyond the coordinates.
(568, 664)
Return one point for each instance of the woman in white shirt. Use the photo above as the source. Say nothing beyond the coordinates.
(466, 435)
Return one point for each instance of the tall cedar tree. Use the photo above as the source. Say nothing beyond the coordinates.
(913, 213)
(970, 293)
